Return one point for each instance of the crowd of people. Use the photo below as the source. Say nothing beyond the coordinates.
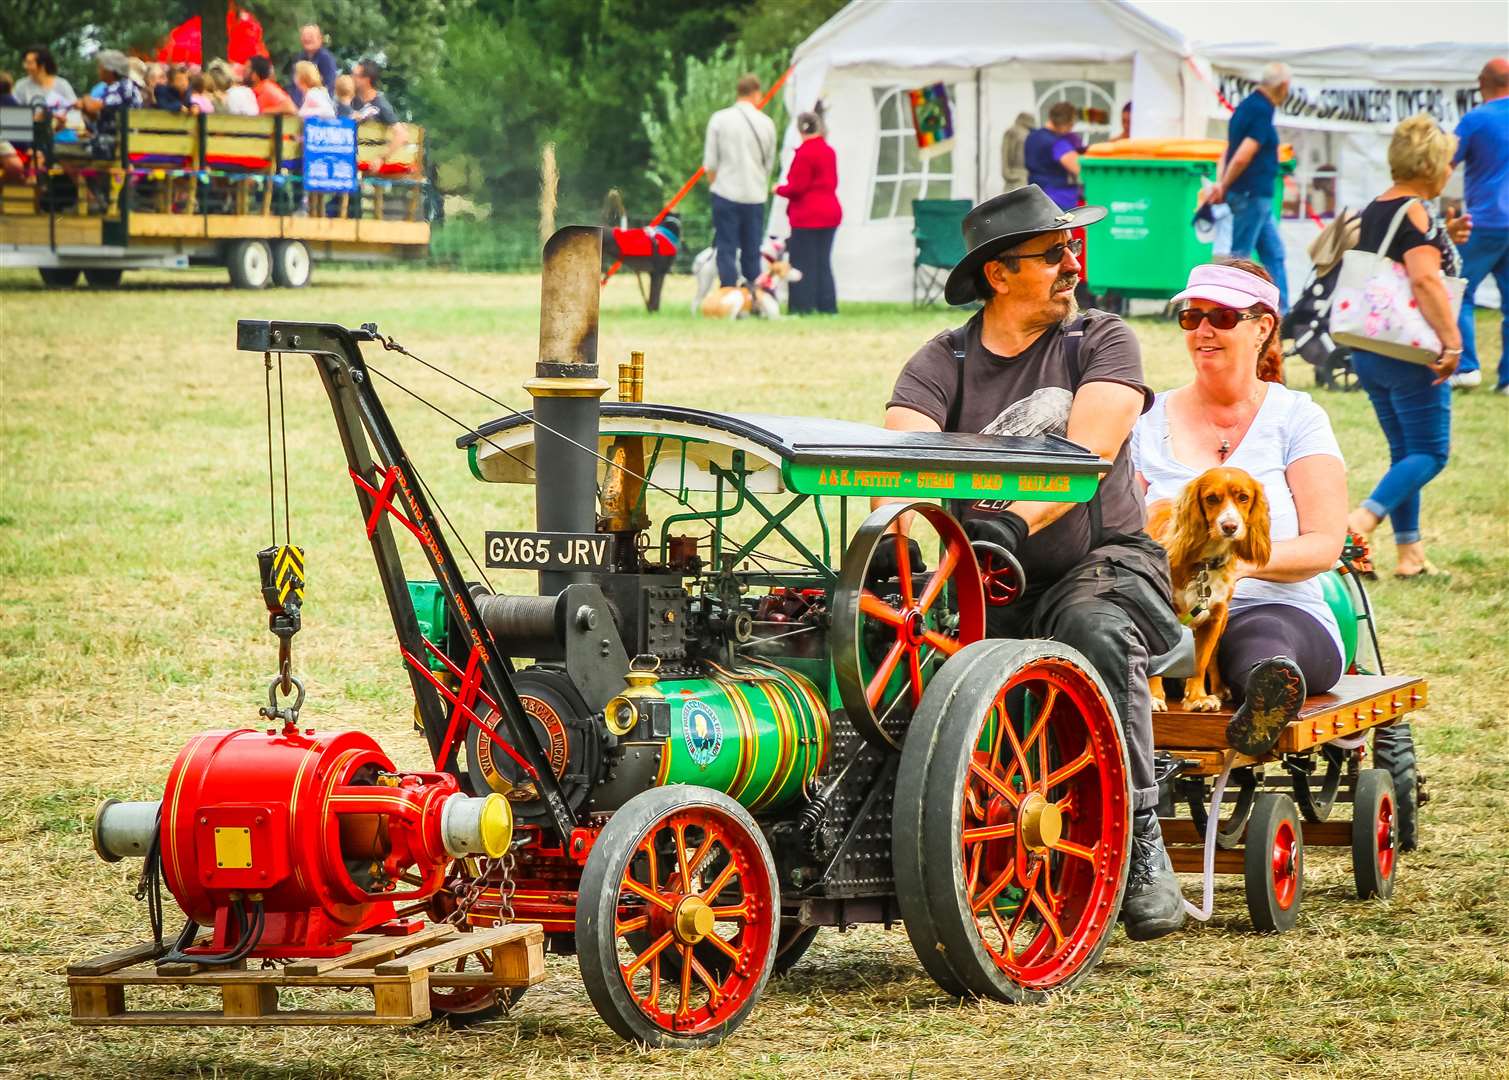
(311, 85)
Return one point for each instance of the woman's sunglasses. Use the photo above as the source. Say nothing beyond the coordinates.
(1222, 318)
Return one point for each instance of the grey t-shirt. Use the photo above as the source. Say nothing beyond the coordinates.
(1030, 394)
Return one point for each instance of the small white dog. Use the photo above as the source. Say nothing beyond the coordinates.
(736, 301)
(705, 269)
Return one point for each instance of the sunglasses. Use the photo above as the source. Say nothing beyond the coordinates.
(1053, 256)
(1222, 318)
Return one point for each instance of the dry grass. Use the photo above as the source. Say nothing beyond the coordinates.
(135, 498)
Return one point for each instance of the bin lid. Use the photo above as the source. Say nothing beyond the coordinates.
(1171, 150)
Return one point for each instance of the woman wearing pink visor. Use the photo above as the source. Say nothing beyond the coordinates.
(1238, 413)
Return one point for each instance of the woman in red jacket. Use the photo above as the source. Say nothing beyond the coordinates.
(814, 213)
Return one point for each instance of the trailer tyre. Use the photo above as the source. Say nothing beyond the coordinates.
(250, 264)
(59, 277)
(103, 277)
(1375, 835)
(291, 264)
(1274, 863)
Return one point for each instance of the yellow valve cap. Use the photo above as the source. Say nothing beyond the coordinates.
(496, 825)
(477, 826)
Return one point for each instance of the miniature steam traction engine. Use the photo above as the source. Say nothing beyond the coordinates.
(709, 750)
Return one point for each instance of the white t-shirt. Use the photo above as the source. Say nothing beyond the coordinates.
(240, 101)
(740, 149)
(317, 103)
(1288, 426)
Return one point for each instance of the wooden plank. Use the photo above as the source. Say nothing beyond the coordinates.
(1389, 700)
(317, 228)
(1174, 730)
(1191, 860)
(178, 226)
(461, 945)
(404, 1003)
(1327, 833)
(229, 123)
(369, 949)
(146, 975)
(142, 120)
(96, 1001)
(114, 961)
(393, 232)
(521, 966)
(284, 1018)
(249, 999)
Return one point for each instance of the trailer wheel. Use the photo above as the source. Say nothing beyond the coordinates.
(1274, 863)
(1014, 783)
(678, 871)
(291, 264)
(1375, 834)
(249, 263)
(59, 277)
(103, 277)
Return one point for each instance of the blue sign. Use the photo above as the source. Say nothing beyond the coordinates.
(329, 154)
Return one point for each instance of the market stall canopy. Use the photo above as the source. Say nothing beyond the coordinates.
(243, 34)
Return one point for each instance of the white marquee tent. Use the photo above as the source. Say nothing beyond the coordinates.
(1360, 67)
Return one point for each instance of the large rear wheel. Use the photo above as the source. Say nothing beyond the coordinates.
(1013, 821)
(677, 917)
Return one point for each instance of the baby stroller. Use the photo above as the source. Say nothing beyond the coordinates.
(1308, 324)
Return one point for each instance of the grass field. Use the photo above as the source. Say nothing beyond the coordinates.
(135, 498)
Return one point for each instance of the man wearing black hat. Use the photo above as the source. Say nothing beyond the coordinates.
(1028, 364)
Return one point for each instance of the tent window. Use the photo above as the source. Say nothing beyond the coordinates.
(1096, 102)
(902, 174)
(1311, 190)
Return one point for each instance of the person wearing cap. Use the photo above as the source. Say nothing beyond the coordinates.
(103, 112)
(1281, 639)
(1028, 364)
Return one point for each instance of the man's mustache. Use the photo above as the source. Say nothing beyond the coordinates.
(1066, 281)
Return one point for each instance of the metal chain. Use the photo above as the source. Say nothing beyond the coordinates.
(468, 893)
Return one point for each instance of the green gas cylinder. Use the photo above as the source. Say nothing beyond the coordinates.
(1338, 598)
(759, 734)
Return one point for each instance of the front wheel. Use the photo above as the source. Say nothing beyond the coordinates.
(1012, 821)
(59, 277)
(1274, 863)
(1375, 834)
(677, 917)
(250, 264)
(103, 277)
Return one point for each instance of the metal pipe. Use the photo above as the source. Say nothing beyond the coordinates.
(566, 390)
(124, 829)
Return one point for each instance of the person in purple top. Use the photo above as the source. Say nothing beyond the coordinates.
(1483, 145)
(1052, 155)
(312, 41)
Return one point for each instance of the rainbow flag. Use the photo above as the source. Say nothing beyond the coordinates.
(933, 119)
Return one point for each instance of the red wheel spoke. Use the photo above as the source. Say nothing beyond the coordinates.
(655, 949)
(686, 871)
(686, 981)
(914, 675)
(883, 673)
(995, 783)
(876, 608)
(993, 890)
(721, 881)
(990, 832)
(709, 837)
(628, 926)
(1017, 752)
(647, 893)
(654, 998)
(1045, 909)
(1021, 911)
(904, 569)
(995, 746)
(1073, 768)
(941, 574)
(653, 859)
(944, 644)
(1038, 734)
(995, 917)
(718, 943)
(739, 911)
(714, 994)
(1079, 851)
(975, 857)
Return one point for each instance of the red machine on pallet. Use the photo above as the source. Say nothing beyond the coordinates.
(286, 841)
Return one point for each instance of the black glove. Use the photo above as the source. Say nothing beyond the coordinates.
(883, 566)
(1002, 527)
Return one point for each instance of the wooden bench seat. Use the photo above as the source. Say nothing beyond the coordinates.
(1355, 704)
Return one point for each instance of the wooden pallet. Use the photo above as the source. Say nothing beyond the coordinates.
(399, 970)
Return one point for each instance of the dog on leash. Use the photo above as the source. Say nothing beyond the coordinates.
(737, 301)
(1219, 518)
(705, 268)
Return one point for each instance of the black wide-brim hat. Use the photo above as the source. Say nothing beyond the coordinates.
(1003, 222)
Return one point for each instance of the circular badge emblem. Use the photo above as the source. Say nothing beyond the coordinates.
(490, 757)
(703, 732)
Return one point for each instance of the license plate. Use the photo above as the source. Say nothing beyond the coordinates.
(548, 551)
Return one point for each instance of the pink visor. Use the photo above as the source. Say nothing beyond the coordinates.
(1228, 286)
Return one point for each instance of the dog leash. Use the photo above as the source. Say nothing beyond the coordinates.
(1212, 827)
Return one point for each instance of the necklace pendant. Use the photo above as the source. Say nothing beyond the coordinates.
(1225, 449)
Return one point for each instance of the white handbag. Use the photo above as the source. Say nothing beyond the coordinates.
(1373, 306)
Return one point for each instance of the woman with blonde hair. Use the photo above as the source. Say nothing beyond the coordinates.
(316, 98)
(1412, 401)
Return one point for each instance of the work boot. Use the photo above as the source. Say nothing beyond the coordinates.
(1153, 905)
(1275, 694)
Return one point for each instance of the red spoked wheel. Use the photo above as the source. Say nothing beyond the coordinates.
(678, 916)
(1001, 575)
(1012, 825)
(1375, 834)
(453, 999)
(1274, 863)
(892, 633)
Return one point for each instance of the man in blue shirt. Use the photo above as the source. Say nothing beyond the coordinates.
(1248, 175)
(1483, 145)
